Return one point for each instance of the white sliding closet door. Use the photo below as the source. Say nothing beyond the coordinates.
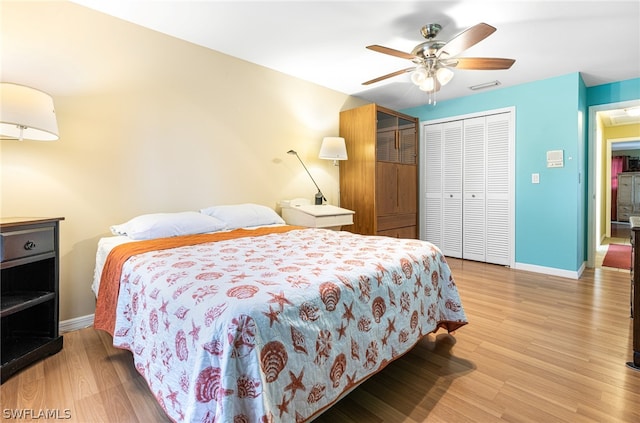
(468, 187)
(432, 179)
(443, 187)
(498, 204)
(452, 189)
(473, 207)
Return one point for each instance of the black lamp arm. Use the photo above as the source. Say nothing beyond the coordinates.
(320, 198)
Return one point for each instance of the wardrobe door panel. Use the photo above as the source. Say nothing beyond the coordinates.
(386, 145)
(386, 188)
(408, 143)
(407, 180)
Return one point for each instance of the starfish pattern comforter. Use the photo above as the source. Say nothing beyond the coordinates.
(276, 327)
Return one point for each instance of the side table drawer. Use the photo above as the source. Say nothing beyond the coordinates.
(18, 244)
(317, 216)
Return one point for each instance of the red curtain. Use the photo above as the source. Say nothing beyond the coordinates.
(617, 166)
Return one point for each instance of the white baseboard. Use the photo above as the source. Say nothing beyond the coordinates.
(75, 324)
(571, 274)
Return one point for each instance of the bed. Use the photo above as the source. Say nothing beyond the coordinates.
(258, 321)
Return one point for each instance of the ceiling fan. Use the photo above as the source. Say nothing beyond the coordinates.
(433, 58)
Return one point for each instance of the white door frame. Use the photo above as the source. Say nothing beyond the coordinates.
(607, 188)
(594, 176)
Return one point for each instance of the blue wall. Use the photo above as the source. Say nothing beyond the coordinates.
(550, 217)
(614, 92)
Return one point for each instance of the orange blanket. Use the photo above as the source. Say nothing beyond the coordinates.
(105, 317)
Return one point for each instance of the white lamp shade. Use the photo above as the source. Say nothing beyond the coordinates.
(333, 148)
(419, 75)
(444, 75)
(26, 113)
(429, 84)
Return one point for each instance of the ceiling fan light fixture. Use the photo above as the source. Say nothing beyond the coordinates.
(444, 75)
(419, 75)
(432, 59)
(429, 84)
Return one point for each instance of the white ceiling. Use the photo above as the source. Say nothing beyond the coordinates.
(324, 41)
(618, 117)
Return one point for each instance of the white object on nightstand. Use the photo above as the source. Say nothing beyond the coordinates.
(301, 213)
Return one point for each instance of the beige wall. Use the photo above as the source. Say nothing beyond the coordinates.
(149, 124)
(622, 131)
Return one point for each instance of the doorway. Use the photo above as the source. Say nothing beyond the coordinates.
(598, 216)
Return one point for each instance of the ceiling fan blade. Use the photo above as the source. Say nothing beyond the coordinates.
(389, 75)
(391, 51)
(479, 63)
(466, 39)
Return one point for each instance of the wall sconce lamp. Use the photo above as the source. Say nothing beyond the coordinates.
(319, 195)
(333, 148)
(26, 113)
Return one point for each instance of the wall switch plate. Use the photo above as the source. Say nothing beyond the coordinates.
(535, 178)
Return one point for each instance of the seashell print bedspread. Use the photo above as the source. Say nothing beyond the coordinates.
(275, 328)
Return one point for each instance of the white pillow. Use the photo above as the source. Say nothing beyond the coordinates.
(163, 225)
(244, 215)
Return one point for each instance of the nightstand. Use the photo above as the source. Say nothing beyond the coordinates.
(317, 216)
(29, 266)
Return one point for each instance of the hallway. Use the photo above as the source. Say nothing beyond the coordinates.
(620, 234)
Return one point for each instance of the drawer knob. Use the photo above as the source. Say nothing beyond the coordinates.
(29, 245)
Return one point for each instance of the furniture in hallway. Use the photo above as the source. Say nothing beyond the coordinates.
(635, 292)
(621, 230)
(628, 197)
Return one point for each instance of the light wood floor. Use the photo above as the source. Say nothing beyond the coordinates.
(537, 349)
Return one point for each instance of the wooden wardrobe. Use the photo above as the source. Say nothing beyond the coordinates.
(379, 181)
